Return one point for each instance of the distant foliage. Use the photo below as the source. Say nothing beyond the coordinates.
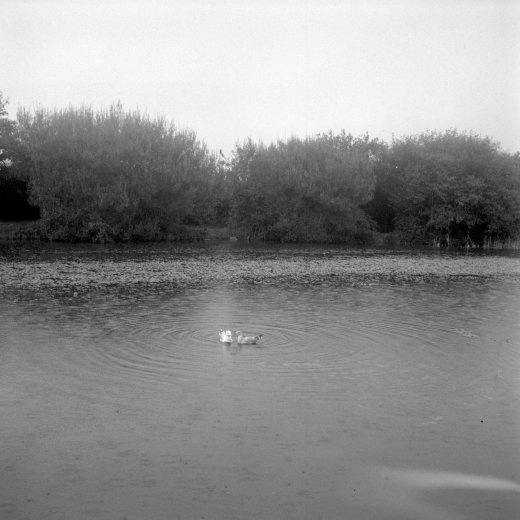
(304, 190)
(117, 176)
(114, 175)
(7, 128)
(448, 189)
(14, 204)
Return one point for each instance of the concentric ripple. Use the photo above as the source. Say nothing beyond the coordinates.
(384, 339)
(320, 341)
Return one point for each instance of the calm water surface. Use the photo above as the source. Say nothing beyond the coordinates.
(372, 402)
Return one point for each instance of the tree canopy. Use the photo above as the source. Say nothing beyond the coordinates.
(14, 203)
(116, 175)
(448, 186)
(304, 190)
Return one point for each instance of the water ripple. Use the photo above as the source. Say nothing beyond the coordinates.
(323, 341)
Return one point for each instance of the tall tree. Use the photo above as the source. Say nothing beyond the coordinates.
(14, 203)
(453, 186)
(304, 190)
(7, 129)
(114, 175)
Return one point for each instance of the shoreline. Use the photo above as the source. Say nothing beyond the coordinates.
(29, 231)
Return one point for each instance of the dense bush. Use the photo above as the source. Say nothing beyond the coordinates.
(14, 204)
(448, 188)
(303, 190)
(116, 175)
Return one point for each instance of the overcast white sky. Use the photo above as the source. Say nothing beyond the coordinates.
(271, 69)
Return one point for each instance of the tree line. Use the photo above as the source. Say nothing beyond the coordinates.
(116, 175)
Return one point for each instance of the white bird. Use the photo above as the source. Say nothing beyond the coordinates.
(226, 336)
(247, 340)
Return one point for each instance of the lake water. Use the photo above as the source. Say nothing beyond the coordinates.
(366, 401)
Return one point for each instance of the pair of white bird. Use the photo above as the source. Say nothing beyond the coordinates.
(227, 337)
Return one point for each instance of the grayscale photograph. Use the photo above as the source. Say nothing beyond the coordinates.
(260, 260)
